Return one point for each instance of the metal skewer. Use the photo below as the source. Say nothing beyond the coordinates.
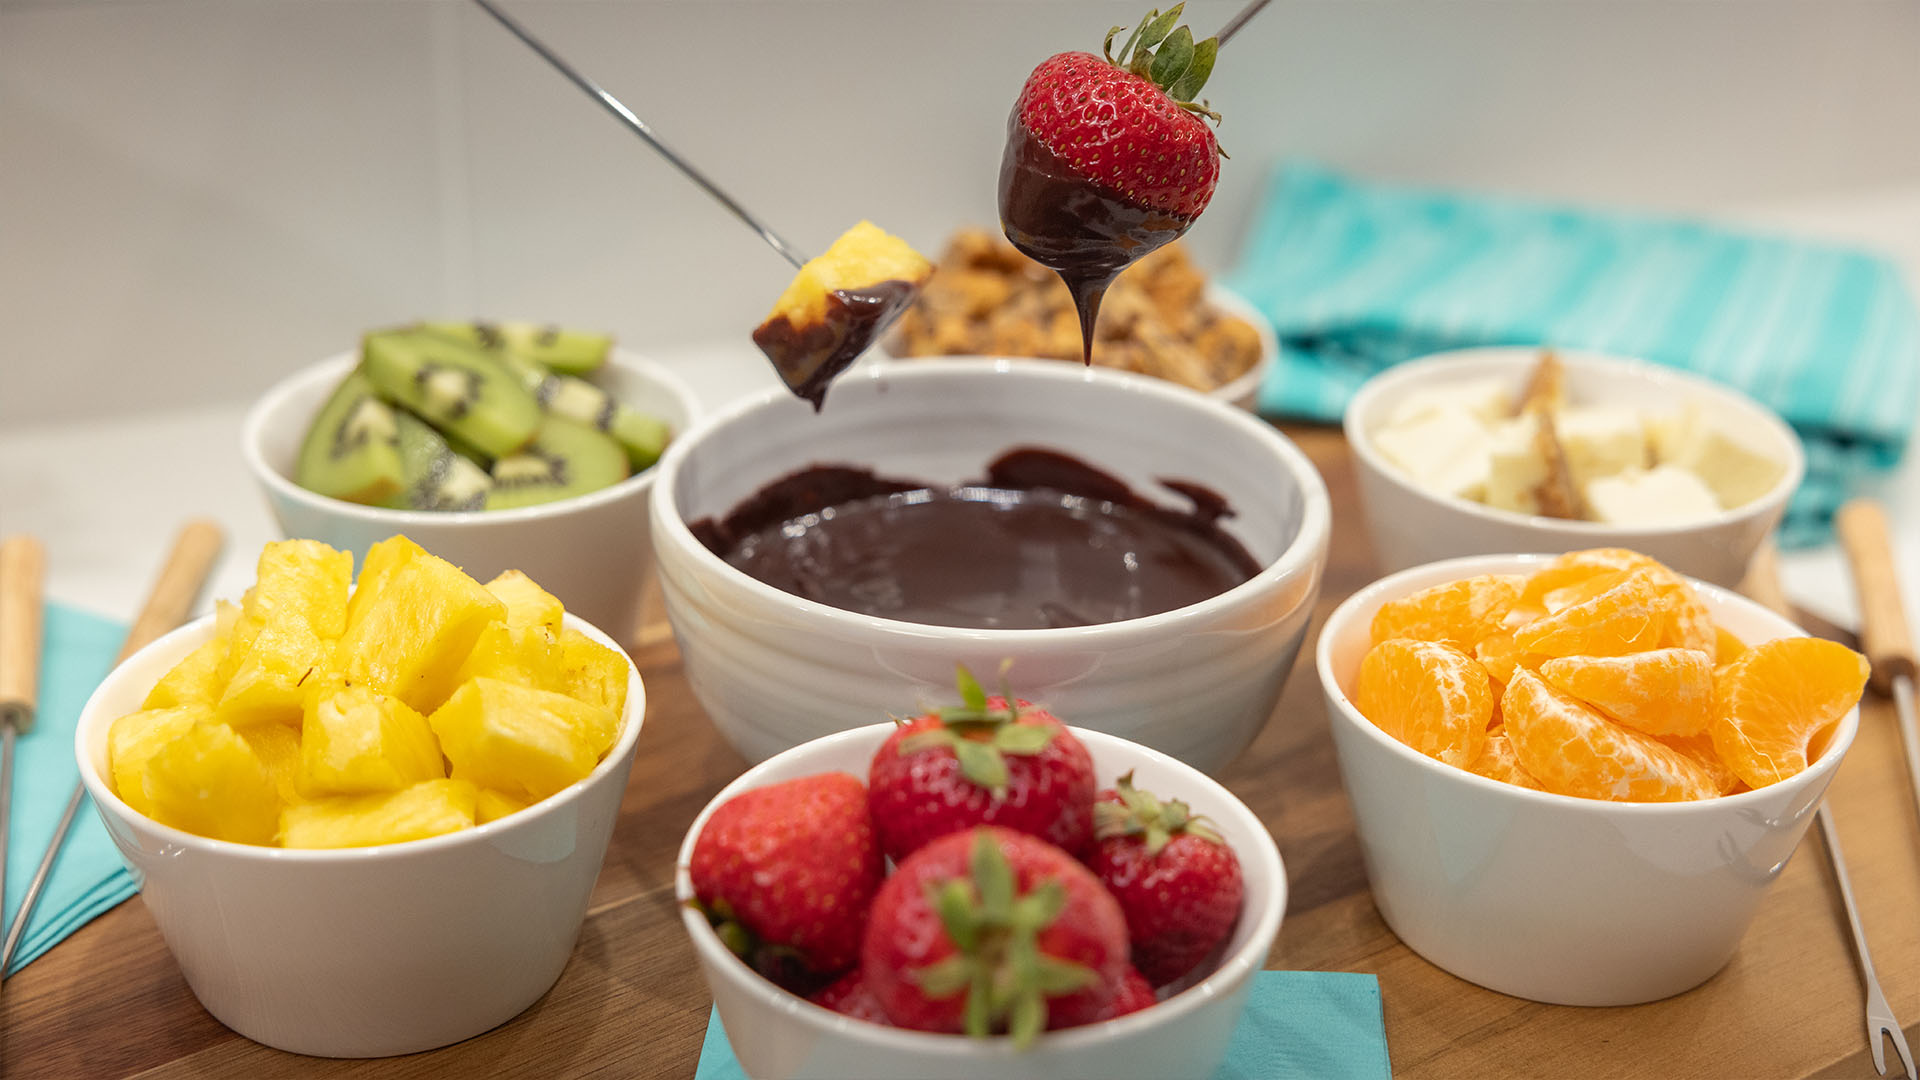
(23, 563)
(1763, 584)
(185, 571)
(1234, 24)
(1884, 635)
(640, 128)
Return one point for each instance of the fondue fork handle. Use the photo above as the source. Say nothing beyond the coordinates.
(640, 128)
(1763, 585)
(185, 571)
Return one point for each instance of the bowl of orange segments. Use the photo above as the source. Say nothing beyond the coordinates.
(1574, 777)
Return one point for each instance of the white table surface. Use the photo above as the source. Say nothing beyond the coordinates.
(105, 496)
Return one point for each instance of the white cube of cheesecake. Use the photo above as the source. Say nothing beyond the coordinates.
(1730, 460)
(1515, 467)
(1601, 441)
(1667, 430)
(1443, 451)
(1662, 495)
(1488, 400)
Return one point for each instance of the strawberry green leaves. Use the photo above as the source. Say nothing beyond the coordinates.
(980, 736)
(1139, 813)
(1166, 55)
(999, 964)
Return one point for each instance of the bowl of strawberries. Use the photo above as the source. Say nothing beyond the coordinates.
(978, 890)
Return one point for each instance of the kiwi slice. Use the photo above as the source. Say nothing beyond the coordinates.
(565, 459)
(352, 449)
(569, 352)
(643, 437)
(437, 478)
(454, 386)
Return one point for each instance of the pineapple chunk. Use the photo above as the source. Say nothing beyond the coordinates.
(208, 781)
(518, 740)
(358, 741)
(278, 748)
(416, 629)
(492, 806)
(382, 560)
(195, 680)
(136, 737)
(528, 655)
(298, 582)
(863, 256)
(225, 614)
(593, 673)
(527, 603)
(266, 687)
(429, 808)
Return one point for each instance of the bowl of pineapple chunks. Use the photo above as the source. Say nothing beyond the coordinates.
(366, 819)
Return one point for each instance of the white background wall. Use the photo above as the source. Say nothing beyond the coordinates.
(197, 196)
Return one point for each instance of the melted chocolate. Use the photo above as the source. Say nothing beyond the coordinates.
(809, 357)
(1084, 232)
(1044, 540)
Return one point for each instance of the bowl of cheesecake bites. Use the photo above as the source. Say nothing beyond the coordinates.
(1529, 450)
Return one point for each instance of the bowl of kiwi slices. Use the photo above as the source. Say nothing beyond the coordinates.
(492, 445)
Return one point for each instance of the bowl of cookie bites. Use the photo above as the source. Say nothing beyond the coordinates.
(1060, 903)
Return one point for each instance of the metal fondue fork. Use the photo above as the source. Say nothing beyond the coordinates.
(1763, 584)
(640, 128)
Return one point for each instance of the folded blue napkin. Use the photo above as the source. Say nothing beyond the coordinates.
(1299, 1025)
(77, 651)
(1356, 276)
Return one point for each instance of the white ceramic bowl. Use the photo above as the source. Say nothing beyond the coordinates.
(364, 952)
(779, 1036)
(591, 551)
(774, 670)
(1558, 899)
(1411, 526)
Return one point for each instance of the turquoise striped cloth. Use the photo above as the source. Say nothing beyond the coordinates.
(1356, 276)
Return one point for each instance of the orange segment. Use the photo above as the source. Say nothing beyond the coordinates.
(1578, 576)
(1461, 612)
(1660, 691)
(1776, 698)
(1431, 696)
(1632, 615)
(1499, 655)
(1574, 750)
(1726, 647)
(1700, 749)
(1498, 761)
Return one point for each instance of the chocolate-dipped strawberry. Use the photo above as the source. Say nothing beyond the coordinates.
(1108, 157)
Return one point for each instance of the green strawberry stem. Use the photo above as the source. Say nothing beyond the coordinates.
(1167, 56)
(1139, 813)
(982, 760)
(999, 965)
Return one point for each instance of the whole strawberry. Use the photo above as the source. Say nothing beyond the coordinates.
(1176, 879)
(983, 763)
(786, 873)
(1126, 125)
(849, 996)
(991, 930)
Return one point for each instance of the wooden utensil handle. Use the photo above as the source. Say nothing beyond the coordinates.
(23, 571)
(179, 583)
(1762, 582)
(1862, 526)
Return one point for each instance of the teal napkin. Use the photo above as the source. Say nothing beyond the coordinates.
(77, 651)
(1356, 276)
(1299, 1025)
